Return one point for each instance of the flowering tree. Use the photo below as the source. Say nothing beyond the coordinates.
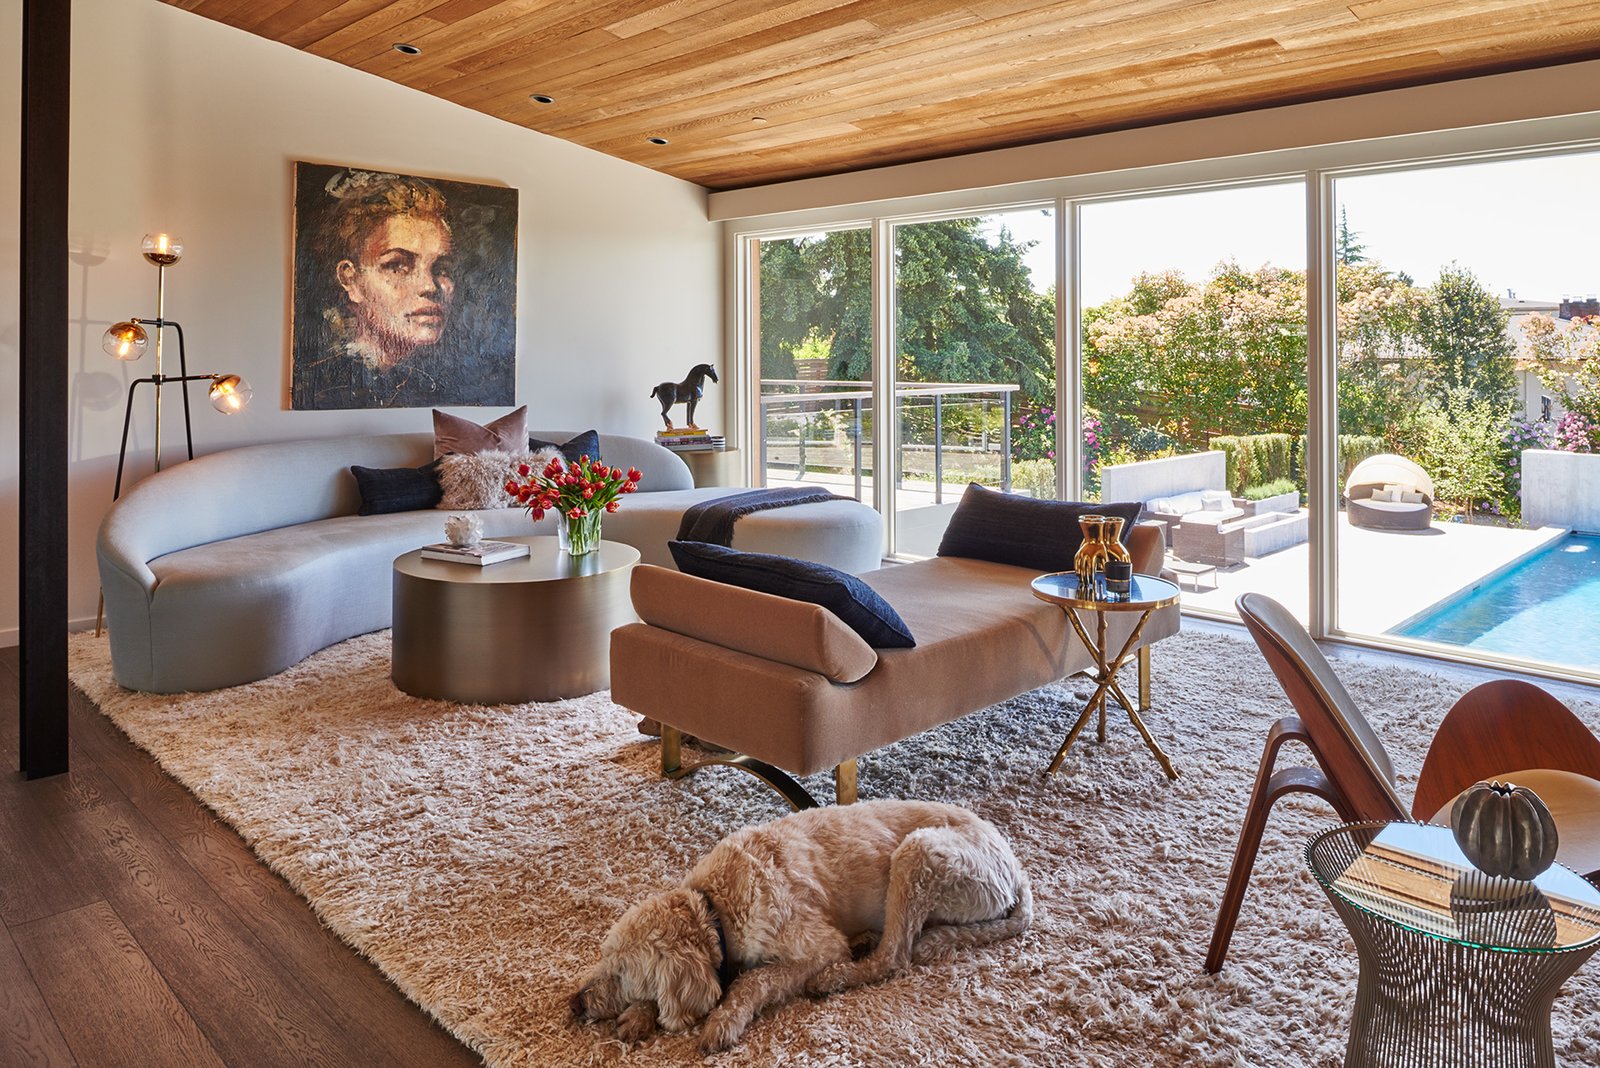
(1193, 359)
(1566, 357)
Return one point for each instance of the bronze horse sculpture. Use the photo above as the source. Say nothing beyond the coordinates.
(687, 392)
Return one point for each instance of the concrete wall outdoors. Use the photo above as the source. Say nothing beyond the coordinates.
(1561, 489)
(185, 125)
(1169, 476)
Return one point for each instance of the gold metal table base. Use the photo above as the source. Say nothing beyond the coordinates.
(1105, 678)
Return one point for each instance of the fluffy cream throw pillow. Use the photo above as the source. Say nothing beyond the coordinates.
(479, 481)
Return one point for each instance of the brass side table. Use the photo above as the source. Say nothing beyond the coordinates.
(533, 629)
(1147, 593)
(1458, 969)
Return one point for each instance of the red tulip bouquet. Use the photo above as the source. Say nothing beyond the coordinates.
(580, 493)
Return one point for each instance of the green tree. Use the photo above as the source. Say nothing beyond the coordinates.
(1460, 441)
(1349, 249)
(1381, 358)
(1225, 356)
(1462, 329)
(967, 310)
(817, 288)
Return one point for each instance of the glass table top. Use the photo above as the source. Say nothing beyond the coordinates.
(1145, 591)
(1415, 876)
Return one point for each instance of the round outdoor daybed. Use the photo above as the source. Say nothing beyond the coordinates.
(1371, 476)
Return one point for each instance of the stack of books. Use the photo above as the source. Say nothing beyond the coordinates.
(482, 554)
(691, 439)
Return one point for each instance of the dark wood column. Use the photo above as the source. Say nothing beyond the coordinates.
(42, 374)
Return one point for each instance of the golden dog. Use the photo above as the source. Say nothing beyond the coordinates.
(772, 912)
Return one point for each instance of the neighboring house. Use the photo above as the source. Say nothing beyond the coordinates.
(1532, 393)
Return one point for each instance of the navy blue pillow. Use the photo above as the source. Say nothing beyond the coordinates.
(853, 601)
(398, 489)
(574, 448)
(1004, 528)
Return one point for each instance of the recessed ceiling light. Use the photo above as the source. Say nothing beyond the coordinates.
(541, 98)
(657, 140)
(408, 49)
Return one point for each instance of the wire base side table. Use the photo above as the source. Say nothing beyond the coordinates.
(1458, 970)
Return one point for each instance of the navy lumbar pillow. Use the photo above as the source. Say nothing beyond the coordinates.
(1004, 528)
(856, 604)
(398, 489)
(574, 448)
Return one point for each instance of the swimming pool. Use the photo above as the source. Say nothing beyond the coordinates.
(1545, 608)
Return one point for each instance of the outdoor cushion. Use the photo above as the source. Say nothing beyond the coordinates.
(1211, 518)
(1177, 504)
(1215, 500)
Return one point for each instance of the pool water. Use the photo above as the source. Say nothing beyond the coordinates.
(1546, 608)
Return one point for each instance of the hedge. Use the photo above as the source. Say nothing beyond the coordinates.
(1254, 459)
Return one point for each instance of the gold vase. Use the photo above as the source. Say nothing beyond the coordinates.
(1100, 545)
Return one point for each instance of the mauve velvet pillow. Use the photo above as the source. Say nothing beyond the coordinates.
(857, 605)
(1004, 528)
(453, 434)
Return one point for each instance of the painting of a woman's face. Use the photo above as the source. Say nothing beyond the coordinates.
(399, 286)
(405, 291)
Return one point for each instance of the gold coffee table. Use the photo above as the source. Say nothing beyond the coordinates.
(533, 629)
(1147, 593)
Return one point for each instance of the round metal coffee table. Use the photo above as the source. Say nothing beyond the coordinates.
(1458, 970)
(1146, 594)
(533, 629)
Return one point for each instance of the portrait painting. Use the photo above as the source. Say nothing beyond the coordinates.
(405, 291)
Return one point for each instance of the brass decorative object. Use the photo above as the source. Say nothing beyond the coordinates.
(1505, 830)
(1101, 544)
(1147, 594)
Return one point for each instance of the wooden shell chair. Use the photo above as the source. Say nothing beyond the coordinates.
(1500, 726)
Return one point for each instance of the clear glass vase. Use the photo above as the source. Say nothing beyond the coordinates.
(579, 537)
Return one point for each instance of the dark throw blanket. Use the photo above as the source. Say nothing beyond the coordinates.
(712, 521)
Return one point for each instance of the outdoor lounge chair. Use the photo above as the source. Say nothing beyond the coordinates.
(1364, 494)
(1503, 729)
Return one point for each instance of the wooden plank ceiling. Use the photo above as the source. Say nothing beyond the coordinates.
(748, 92)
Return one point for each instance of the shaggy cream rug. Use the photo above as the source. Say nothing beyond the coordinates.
(478, 855)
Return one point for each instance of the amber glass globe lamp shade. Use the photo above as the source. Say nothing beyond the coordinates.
(163, 250)
(125, 341)
(230, 393)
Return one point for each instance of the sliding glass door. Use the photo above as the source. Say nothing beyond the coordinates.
(974, 365)
(1193, 353)
(1469, 408)
(812, 319)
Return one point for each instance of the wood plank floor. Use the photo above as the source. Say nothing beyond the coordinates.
(136, 929)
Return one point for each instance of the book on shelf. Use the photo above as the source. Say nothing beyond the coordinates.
(482, 554)
(704, 446)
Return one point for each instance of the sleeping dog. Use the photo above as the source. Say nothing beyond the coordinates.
(774, 910)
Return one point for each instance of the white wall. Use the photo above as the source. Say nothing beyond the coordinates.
(185, 125)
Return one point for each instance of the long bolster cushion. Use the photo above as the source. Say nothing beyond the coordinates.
(796, 633)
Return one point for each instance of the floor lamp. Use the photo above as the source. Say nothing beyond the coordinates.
(128, 340)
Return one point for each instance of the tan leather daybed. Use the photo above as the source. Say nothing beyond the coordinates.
(791, 688)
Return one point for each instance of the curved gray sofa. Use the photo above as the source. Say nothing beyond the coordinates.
(236, 565)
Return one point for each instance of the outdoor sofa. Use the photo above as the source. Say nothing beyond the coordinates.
(236, 565)
(790, 690)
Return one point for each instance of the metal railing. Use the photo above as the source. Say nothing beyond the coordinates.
(812, 396)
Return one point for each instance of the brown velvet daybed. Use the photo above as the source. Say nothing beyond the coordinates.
(791, 688)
